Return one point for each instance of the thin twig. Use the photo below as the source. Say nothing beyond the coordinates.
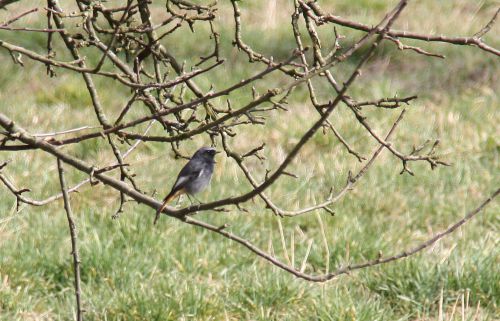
(74, 239)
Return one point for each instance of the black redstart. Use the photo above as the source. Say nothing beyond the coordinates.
(193, 177)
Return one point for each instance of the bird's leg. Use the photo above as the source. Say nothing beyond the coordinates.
(190, 200)
(189, 196)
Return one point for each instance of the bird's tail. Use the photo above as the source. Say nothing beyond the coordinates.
(166, 200)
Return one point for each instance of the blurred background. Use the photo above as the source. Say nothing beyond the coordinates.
(134, 271)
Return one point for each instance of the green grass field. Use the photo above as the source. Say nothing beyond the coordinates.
(132, 270)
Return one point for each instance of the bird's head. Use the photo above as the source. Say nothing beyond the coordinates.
(207, 153)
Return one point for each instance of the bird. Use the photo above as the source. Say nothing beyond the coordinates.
(193, 178)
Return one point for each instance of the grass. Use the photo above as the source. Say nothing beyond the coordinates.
(134, 271)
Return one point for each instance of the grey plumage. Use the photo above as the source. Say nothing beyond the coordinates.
(194, 177)
(196, 174)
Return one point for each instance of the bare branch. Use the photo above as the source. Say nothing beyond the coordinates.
(74, 240)
(181, 96)
(346, 269)
(467, 41)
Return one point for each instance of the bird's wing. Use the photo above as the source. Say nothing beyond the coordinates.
(189, 172)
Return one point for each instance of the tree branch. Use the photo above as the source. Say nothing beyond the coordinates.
(74, 239)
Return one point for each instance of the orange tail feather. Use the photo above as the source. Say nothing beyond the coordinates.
(167, 200)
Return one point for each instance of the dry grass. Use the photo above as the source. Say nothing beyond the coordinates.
(132, 271)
